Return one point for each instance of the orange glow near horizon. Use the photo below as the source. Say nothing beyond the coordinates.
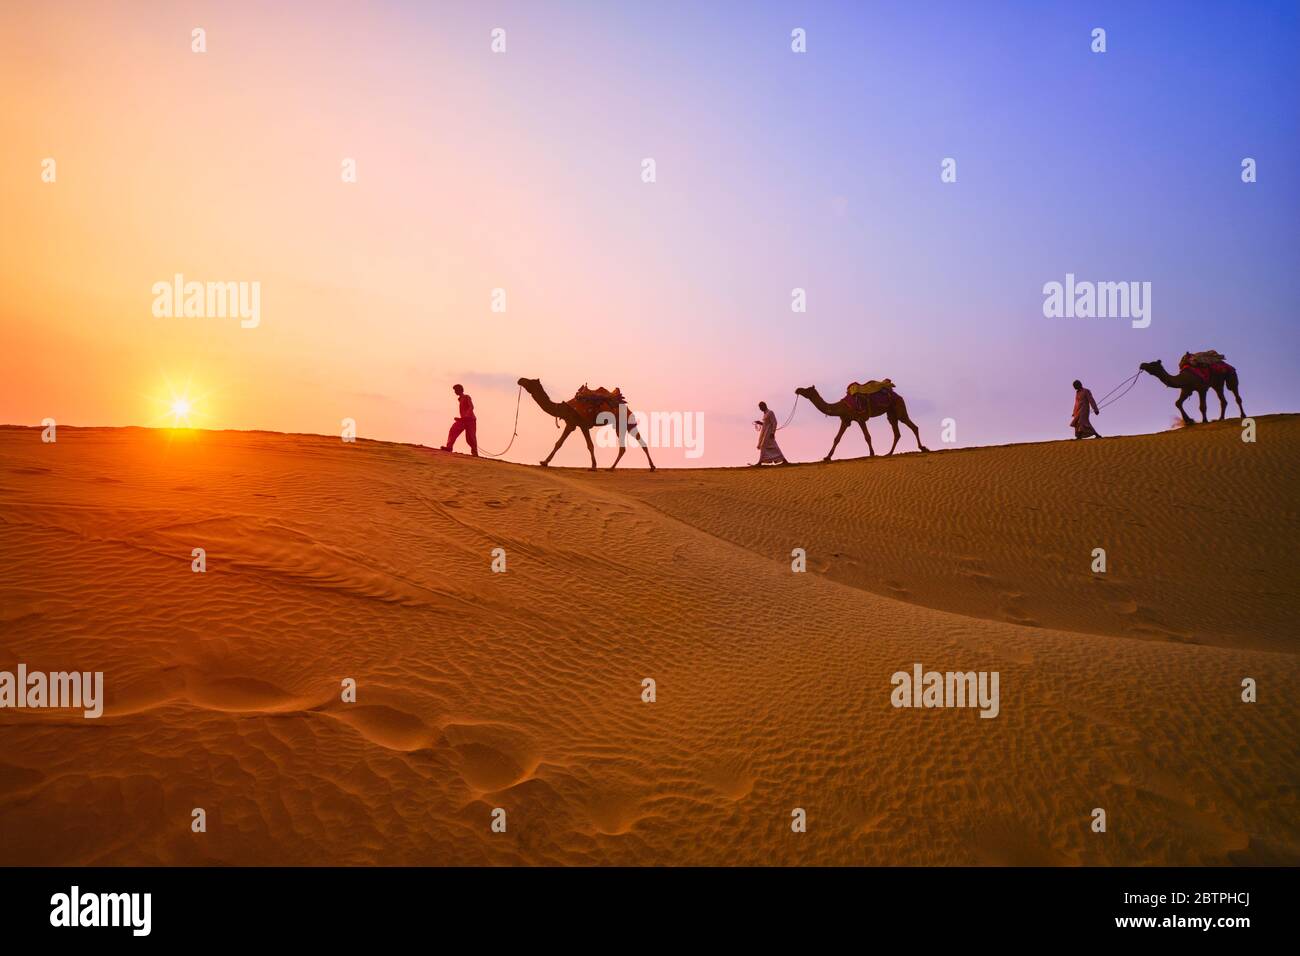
(180, 406)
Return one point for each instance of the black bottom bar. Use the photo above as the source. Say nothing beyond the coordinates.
(330, 906)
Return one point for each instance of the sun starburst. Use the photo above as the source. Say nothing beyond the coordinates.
(179, 406)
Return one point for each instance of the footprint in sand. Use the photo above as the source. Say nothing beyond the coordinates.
(1117, 596)
(492, 756)
(15, 779)
(733, 783)
(971, 568)
(151, 693)
(386, 726)
(1010, 610)
(243, 695)
(1210, 833)
(614, 814)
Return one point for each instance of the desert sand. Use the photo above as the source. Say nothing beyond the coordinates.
(523, 690)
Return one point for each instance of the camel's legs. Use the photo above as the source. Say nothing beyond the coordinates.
(915, 431)
(893, 423)
(1182, 397)
(1223, 402)
(844, 424)
(1201, 395)
(622, 450)
(591, 449)
(568, 429)
(901, 411)
(644, 447)
(867, 435)
(622, 445)
(1232, 386)
(900, 414)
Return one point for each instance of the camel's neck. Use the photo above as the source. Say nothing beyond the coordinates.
(1168, 379)
(821, 405)
(544, 401)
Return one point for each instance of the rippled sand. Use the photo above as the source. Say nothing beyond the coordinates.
(523, 690)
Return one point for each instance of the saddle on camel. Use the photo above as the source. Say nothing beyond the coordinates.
(590, 402)
(1202, 364)
(1198, 373)
(870, 396)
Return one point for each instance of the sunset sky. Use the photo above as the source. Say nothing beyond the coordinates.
(522, 170)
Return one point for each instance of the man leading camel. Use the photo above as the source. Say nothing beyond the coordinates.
(768, 449)
(1083, 403)
(466, 423)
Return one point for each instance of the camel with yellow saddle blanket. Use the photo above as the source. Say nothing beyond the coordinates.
(862, 401)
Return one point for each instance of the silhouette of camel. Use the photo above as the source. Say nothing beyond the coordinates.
(572, 419)
(1187, 381)
(895, 412)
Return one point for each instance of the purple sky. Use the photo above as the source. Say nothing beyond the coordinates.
(522, 170)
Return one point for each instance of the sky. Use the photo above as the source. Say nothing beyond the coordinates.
(522, 170)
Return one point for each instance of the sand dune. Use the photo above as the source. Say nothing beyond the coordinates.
(522, 690)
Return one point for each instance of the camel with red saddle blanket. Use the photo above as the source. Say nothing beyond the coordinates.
(862, 401)
(1198, 372)
(583, 412)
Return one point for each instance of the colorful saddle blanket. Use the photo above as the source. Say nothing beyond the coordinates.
(1203, 364)
(872, 396)
(590, 402)
(1205, 359)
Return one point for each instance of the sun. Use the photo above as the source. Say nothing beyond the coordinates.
(179, 405)
(180, 410)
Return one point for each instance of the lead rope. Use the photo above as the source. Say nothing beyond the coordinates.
(515, 434)
(1130, 382)
(791, 418)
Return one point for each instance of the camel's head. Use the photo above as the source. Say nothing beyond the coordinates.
(1152, 367)
(807, 391)
(530, 383)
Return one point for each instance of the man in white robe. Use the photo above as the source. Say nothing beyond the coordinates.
(768, 450)
(1083, 404)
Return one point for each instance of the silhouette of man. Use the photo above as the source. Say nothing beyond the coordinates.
(1083, 404)
(465, 422)
(768, 449)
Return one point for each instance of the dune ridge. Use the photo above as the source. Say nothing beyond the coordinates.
(522, 690)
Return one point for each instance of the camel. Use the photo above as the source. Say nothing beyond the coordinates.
(573, 419)
(895, 411)
(1187, 381)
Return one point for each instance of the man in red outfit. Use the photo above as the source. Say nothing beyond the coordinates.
(466, 422)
